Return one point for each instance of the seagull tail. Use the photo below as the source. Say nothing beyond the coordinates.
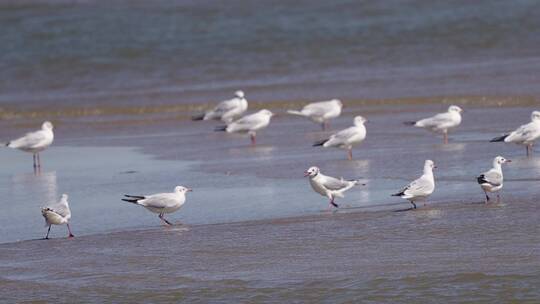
(320, 142)
(198, 117)
(398, 194)
(481, 179)
(357, 182)
(499, 138)
(220, 128)
(409, 123)
(133, 201)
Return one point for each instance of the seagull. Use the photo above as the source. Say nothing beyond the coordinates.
(34, 142)
(492, 180)
(57, 214)
(227, 110)
(249, 124)
(524, 135)
(328, 186)
(320, 112)
(441, 122)
(422, 187)
(161, 203)
(347, 138)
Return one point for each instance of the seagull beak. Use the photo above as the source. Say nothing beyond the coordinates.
(508, 161)
(189, 190)
(434, 167)
(306, 174)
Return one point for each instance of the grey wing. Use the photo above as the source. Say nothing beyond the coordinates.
(226, 105)
(492, 177)
(437, 120)
(523, 133)
(61, 208)
(30, 140)
(418, 186)
(315, 109)
(344, 134)
(163, 200)
(332, 183)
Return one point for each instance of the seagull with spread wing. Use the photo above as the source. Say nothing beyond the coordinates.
(57, 214)
(422, 187)
(320, 112)
(227, 110)
(492, 180)
(347, 138)
(328, 186)
(161, 203)
(34, 142)
(524, 135)
(441, 122)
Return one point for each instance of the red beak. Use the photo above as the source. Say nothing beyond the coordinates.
(306, 174)
(189, 190)
(508, 161)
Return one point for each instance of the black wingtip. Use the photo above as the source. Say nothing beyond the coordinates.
(409, 123)
(133, 201)
(220, 128)
(397, 194)
(334, 204)
(7, 144)
(481, 179)
(197, 117)
(499, 138)
(320, 143)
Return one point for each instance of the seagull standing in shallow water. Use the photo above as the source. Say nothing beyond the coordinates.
(441, 122)
(57, 214)
(249, 124)
(161, 203)
(524, 135)
(328, 186)
(347, 138)
(34, 142)
(422, 187)
(320, 112)
(492, 180)
(227, 110)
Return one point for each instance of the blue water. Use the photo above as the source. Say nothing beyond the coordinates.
(193, 51)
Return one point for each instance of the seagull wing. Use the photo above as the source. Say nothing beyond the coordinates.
(491, 177)
(528, 132)
(62, 208)
(160, 200)
(437, 121)
(29, 141)
(227, 105)
(419, 187)
(335, 184)
(342, 137)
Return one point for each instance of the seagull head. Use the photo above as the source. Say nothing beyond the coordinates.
(182, 189)
(312, 172)
(239, 94)
(359, 120)
(456, 109)
(501, 160)
(64, 197)
(429, 164)
(535, 116)
(338, 102)
(47, 125)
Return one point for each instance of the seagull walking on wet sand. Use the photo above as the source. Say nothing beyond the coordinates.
(347, 138)
(441, 122)
(161, 203)
(524, 135)
(227, 110)
(34, 142)
(422, 187)
(57, 214)
(249, 124)
(328, 186)
(492, 180)
(320, 112)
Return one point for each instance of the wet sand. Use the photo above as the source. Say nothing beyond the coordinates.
(254, 231)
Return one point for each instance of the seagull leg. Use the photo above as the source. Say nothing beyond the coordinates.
(253, 139)
(487, 197)
(323, 125)
(69, 230)
(414, 205)
(498, 198)
(38, 160)
(164, 220)
(529, 150)
(48, 230)
(34, 159)
(350, 153)
(445, 137)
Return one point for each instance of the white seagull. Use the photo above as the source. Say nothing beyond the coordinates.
(328, 186)
(249, 124)
(524, 135)
(161, 203)
(347, 138)
(57, 214)
(422, 187)
(34, 142)
(227, 110)
(441, 122)
(320, 112)
(492, 180)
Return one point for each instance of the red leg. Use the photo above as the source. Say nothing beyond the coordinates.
(350, 153)
(253, 139)
(445, 138)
